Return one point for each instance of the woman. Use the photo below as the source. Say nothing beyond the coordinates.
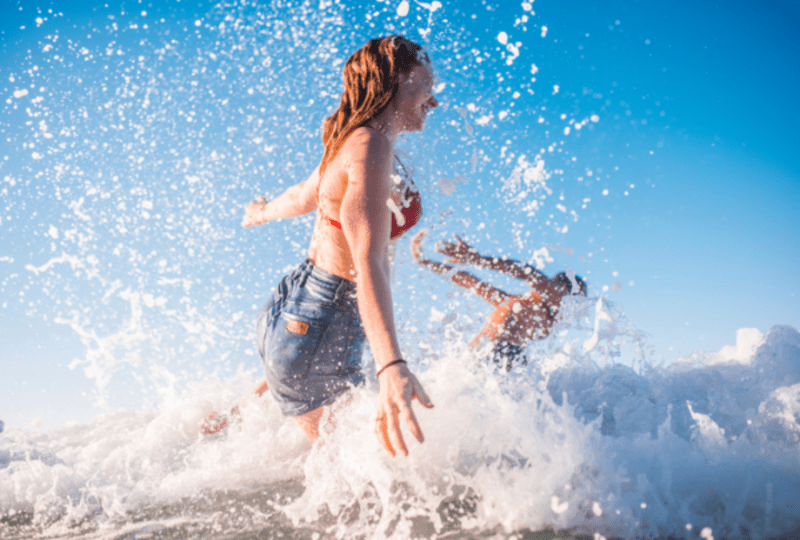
(310, 334)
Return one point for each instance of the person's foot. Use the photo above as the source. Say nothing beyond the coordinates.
(216, 422)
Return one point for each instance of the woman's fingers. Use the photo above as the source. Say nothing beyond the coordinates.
(253, 211)
(387, 430)
(411, 421)
(454, 250)
(395, 434)
(247, 221)
(382, 434)
(457, 251)
(399, 387)
(416, 245)
(445, 248)
(463, 246)
(422, 396)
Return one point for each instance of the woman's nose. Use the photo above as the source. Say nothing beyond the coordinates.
(434, 102)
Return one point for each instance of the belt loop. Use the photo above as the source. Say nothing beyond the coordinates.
(305, 271)
(342, 290)
(339, 292)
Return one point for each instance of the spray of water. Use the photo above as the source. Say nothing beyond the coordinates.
(131, 147)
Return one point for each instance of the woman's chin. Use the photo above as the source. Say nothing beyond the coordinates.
(419, 125)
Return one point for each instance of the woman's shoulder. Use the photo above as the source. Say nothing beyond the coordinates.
(367, 140)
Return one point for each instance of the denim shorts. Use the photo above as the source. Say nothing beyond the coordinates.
(310, 339)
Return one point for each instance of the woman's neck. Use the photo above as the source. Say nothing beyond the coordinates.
(387, 123)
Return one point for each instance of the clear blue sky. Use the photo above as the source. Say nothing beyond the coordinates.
(131, 135)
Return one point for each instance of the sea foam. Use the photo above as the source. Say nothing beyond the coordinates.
(571, 446)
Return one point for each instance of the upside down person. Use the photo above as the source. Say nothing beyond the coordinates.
(516, 319)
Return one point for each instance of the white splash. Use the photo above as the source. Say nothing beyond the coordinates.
(402, 8)
(432, 7)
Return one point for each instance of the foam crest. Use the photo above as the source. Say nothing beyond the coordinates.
(606, 450)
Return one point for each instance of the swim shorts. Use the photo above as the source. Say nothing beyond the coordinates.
(505, 355)
(310, 339)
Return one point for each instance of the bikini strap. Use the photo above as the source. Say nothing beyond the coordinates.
(406, 174)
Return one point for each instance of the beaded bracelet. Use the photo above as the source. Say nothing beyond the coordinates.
(393, 362)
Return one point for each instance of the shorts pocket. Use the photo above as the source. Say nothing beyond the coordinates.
(293, 339)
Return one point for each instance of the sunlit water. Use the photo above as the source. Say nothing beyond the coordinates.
(562, 444)
(131, 156)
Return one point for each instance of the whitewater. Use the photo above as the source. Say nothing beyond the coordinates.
(134, 140)
(707, 447)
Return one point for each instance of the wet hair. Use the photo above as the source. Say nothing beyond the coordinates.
(563, 279)
(371, 79)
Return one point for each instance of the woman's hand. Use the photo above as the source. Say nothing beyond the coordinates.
(398, 388)
(254, 213)
(461, 253)
(416, 246)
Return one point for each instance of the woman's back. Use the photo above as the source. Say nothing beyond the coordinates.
(364, 149)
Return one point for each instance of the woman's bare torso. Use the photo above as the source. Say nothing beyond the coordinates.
(329, 249)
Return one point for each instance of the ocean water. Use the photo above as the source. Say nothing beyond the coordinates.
(134, 137)
(705, 448)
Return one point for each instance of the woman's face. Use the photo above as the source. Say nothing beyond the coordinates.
(415, 97)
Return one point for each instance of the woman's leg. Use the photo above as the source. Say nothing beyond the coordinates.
(309, 423)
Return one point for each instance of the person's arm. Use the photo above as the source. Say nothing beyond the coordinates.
(365, 223)
(491, 294)
(463, 253)
(298, 200)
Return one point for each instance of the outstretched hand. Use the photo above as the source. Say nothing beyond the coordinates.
(416, 245)
(254, 213)
(398, 388)
(460, 252)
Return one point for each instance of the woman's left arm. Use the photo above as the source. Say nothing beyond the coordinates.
(298, 200)
(365, 223)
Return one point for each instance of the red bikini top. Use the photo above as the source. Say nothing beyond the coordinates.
(408, 211)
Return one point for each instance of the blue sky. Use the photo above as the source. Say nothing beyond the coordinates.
(172, 115)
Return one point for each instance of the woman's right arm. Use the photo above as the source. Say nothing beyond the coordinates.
(298, 200)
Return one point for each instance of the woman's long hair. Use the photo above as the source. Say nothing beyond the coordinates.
(371, 78)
